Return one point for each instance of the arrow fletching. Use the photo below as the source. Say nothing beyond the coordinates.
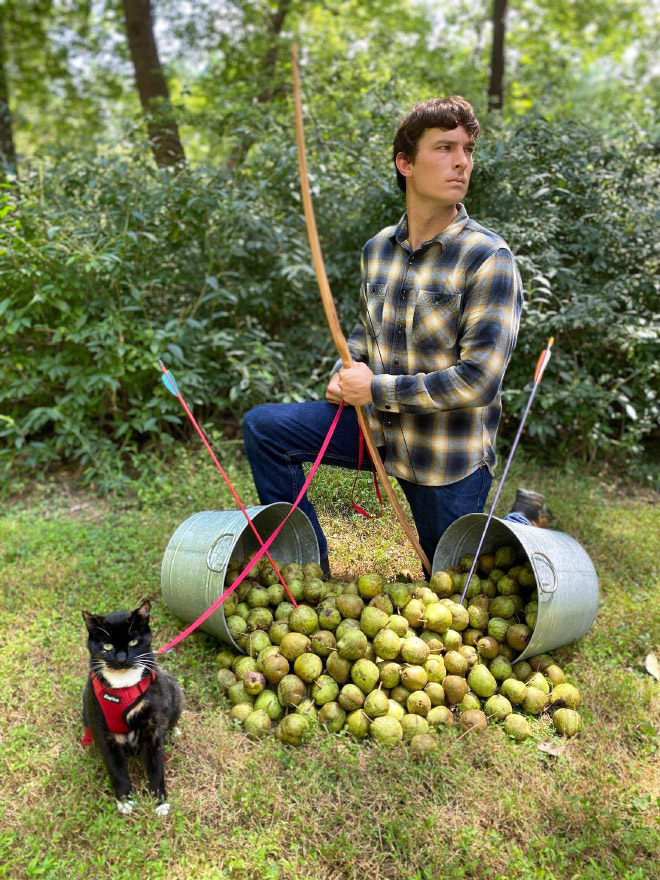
(169, 381)
(543, 361)
(170, 384)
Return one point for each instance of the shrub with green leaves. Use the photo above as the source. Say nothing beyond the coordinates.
(107, 264)
(580, 209)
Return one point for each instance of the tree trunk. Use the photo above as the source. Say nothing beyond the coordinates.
(152, 87)
(496, 87)
(7, 150)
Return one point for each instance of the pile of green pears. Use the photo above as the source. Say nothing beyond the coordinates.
(393, 661)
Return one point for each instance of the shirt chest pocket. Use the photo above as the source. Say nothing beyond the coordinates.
(372, 302)
(435, 319)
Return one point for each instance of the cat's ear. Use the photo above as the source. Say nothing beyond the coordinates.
(143, 612)
(91, 620)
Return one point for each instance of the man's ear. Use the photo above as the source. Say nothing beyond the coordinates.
(403, 164)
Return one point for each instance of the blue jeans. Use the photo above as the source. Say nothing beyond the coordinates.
(279, 437)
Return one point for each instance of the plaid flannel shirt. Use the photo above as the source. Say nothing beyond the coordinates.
(437, 327)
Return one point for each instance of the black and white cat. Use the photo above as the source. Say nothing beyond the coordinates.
(128, 704)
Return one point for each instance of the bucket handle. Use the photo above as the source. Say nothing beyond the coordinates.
(210, 561)
(546, 574)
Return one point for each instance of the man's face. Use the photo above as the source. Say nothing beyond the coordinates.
(440, 172)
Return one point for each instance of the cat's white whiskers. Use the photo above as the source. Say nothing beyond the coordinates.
(147, 661)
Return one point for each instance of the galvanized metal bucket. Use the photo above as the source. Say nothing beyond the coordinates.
(566, 578)
(196, 558)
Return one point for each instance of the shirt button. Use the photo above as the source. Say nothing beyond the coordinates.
(388, 423)
(396, 362)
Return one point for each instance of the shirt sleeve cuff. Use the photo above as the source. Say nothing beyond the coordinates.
(383, 392)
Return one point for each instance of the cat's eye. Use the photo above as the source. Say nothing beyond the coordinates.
(107, 647)
(132, 643)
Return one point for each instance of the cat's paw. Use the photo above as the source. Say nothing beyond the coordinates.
(162, 810)
(125, 807)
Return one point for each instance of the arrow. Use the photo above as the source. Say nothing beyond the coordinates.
(170, 383)
(541, 364)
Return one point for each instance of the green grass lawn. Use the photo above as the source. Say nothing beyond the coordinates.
(487, 808)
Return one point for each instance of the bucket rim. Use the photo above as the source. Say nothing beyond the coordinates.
(545, 572)
(283, 508)
(299, 522)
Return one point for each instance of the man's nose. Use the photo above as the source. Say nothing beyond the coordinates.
(461, 158)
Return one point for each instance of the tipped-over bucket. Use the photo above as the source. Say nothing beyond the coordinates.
(196, 558)
(565, 576)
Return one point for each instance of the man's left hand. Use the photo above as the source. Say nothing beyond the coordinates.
(355, 384)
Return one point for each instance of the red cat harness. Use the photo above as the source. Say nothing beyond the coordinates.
(115, 703)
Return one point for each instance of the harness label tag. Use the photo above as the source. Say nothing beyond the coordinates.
(112, 698)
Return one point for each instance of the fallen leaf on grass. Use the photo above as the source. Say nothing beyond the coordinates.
(652, 666)
(551, 748)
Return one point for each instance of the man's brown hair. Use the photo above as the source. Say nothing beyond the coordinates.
(446, 113)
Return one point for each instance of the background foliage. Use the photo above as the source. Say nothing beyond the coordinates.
(107, 262)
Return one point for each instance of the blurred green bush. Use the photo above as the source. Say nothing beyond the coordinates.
(107, 264)
(581, 211)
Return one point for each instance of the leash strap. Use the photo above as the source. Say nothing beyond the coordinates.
(356, 506)
(264, 547)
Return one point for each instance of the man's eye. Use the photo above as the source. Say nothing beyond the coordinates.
(132, 643)
(107, 647)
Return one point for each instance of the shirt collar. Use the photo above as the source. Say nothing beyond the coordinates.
(400, 233)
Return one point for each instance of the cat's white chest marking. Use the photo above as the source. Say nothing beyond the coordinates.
(123, 678)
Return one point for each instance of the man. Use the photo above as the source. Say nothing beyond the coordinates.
(440, 305)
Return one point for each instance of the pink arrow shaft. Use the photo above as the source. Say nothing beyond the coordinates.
(202, 436)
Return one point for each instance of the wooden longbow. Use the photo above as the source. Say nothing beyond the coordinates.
(331, 312)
